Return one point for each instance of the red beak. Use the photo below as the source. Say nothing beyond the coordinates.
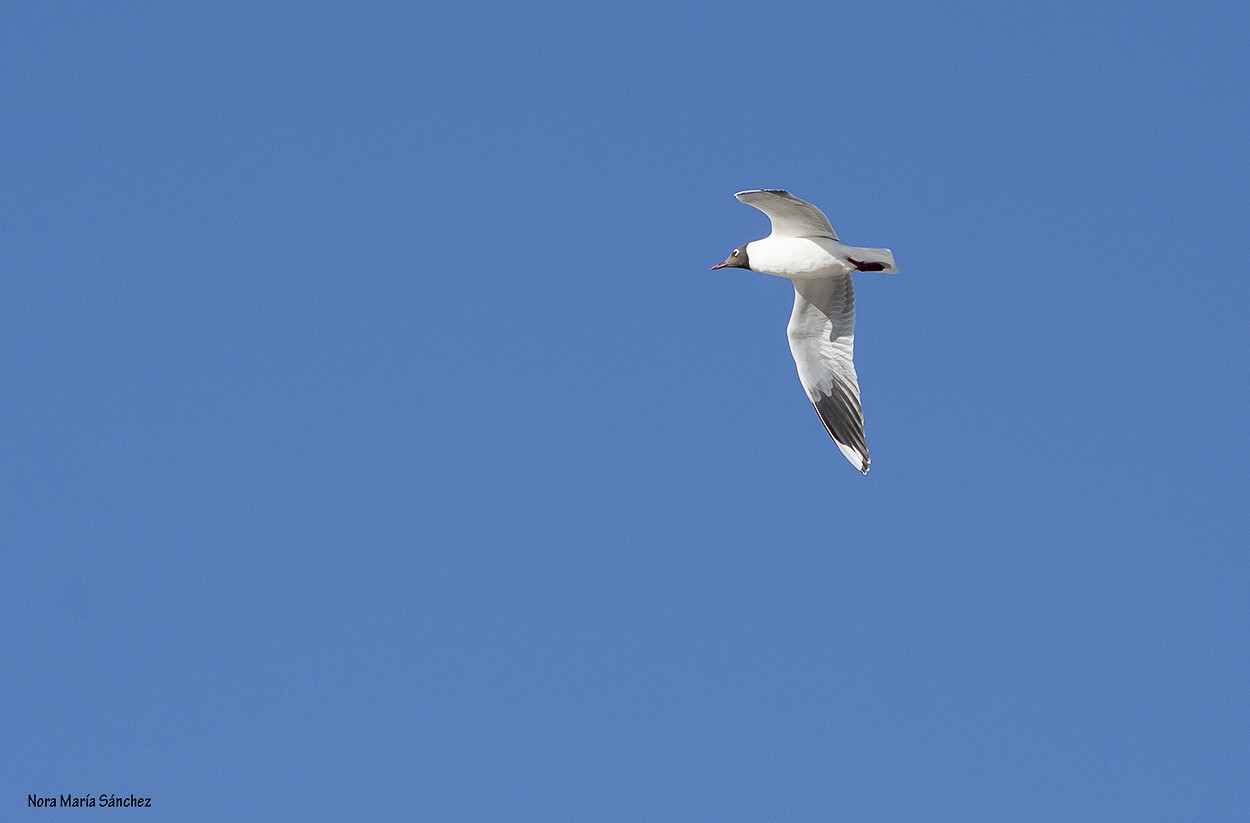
(719, 266)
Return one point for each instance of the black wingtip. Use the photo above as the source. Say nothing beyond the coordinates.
(830, 409)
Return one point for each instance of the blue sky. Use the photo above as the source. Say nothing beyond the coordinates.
(376, 443)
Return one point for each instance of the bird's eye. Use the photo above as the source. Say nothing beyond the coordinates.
(735, 254)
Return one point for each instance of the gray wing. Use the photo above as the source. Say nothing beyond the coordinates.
(790, 216)
(822, 340)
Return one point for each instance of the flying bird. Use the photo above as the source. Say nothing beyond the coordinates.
(804, 248)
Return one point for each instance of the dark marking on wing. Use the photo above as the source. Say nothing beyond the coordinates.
(844, 420)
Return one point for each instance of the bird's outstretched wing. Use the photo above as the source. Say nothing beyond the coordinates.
(822, 340)
(790, 216)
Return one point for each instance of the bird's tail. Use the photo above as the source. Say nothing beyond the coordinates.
(873, 260)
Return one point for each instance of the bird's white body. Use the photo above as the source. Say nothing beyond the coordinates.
(807, 258)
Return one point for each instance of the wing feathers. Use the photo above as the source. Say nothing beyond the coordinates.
(790, 216)
(822, 340)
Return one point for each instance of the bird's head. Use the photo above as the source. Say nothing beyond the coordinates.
(737, 259)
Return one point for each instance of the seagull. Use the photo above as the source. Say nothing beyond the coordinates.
(804, 248)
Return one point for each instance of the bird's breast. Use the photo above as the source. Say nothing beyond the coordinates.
(800, 257)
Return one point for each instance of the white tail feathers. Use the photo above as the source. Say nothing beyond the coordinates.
(872, 259)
